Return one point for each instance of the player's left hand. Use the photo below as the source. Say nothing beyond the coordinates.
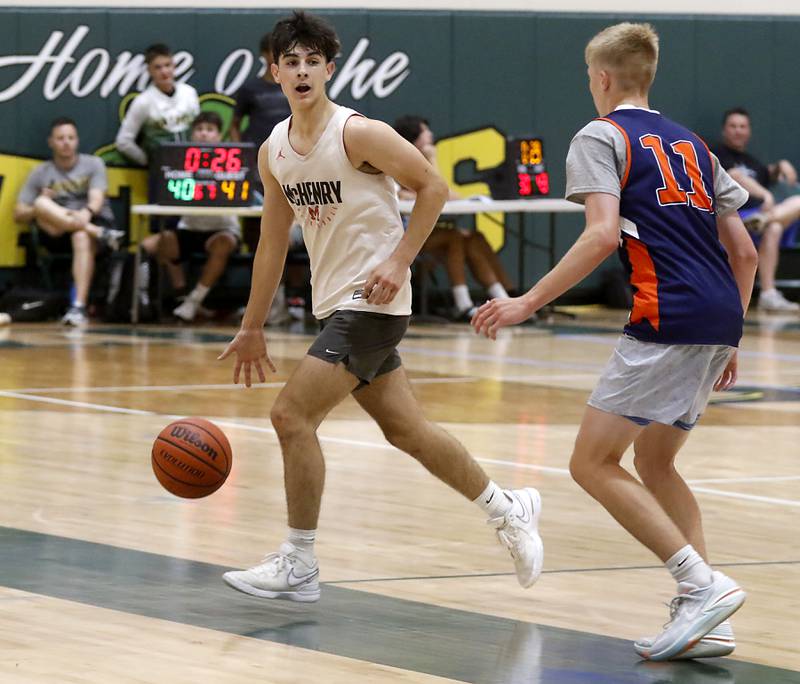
(250, 348)
(729, 376)
(385, 281)
(499, 313)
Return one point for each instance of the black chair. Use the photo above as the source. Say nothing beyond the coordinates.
(38, 257)
(53, 268)
(423, 274)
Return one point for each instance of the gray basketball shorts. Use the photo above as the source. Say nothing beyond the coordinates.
(365, 342)
(663, 383)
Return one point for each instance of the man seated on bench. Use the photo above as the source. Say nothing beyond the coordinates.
(765, 217)
(217, 236)
(65, 198)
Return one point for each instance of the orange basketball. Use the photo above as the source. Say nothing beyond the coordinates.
(191, 457)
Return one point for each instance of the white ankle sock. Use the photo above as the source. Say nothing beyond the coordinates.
(303, 541)
(497, 291)
(494, 501)
(461, 295)
(199, 293)
(144, 273)
(688, 567)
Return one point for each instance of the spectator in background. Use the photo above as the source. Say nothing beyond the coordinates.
(260, 99)
(455, 247)
(163, 112)
(263, 102)
(218, 236)
(762, 213)
(66, 198)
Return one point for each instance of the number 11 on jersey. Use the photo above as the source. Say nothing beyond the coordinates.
(671, 192)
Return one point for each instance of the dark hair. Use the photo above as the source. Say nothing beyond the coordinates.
(735, 110)
(62, 121)
(156, 50)
(307, 30)
(410, 126)
(208, 117)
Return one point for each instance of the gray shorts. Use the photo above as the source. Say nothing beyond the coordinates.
(663, 383)
(364, 341)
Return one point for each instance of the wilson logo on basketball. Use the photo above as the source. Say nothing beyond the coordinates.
(194, 439)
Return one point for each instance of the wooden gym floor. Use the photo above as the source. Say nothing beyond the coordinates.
(104, 577)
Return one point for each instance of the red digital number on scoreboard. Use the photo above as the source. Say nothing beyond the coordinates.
(543, 183)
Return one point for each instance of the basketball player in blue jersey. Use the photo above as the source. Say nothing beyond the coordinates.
(331, 170)
(652, 188)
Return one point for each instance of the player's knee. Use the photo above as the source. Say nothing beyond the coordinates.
(403, 438)
(286, 420)
(281, 417)
(579, 468)
(587, 461)
(651, 468)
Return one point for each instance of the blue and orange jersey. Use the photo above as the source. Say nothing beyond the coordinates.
(684, 288)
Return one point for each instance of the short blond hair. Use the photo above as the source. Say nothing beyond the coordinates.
(628, 50)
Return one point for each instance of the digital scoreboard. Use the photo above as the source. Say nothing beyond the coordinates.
(523, 174)
(204, 174)
(527, 155)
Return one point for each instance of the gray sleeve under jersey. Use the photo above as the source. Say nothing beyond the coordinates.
(728, 194)
(596, 163)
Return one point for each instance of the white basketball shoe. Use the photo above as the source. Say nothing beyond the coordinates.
(281, 575)
(719, 642)
(518, 531)
(693, 615)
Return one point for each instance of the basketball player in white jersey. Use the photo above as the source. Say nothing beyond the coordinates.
(330, 169)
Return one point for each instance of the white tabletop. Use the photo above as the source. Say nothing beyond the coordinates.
(466, 206)
(482, 206)
(168, 210)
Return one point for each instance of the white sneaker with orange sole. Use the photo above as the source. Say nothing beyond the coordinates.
(694, 614)
(719, 642)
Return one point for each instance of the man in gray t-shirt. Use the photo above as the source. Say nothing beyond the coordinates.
(66, 198)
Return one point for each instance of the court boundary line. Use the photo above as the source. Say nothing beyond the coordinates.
(372, 445)
(602, 336)
(733, 564)
(215, 386)
(746, 480)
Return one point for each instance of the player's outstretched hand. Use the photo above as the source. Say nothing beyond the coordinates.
(498, 313)
(250, 348)
(729, 376)
(385, 281)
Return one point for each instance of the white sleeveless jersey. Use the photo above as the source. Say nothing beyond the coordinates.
(350, 219)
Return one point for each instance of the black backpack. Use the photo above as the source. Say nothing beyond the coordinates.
(32, 304)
